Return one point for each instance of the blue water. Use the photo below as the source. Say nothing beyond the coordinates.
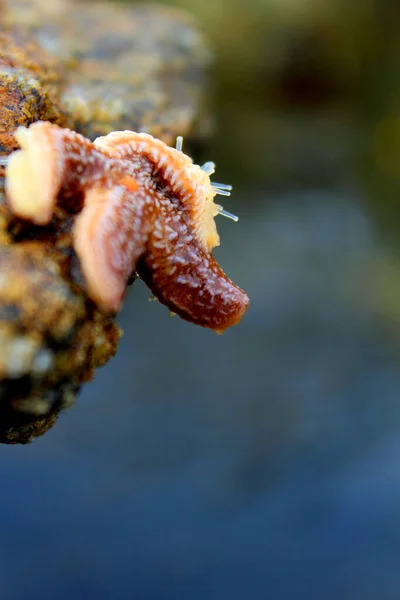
(260, 464)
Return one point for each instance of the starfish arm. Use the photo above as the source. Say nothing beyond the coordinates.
(53, 161)
(110, 235)
(34, 173)
(188, 183)
(186, 279)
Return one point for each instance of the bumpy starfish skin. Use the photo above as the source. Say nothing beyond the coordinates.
(180, 178)
(139, 207)
(185, 278)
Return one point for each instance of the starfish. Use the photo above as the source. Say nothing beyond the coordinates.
(142, 206)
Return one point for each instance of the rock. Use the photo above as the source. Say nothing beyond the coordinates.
(95, 69)
(142, 68)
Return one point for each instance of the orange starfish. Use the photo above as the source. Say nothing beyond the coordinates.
(145, 207)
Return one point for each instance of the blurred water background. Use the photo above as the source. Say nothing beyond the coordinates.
(263, 464)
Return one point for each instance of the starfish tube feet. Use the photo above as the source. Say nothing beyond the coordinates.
(179, 176)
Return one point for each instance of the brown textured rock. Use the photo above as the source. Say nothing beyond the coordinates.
(141, 68)
(30, 80)
(52, 337)
(94, 68)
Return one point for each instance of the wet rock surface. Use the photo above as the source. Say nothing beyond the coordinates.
(51, 336)
(95, 69)
(142, 68)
